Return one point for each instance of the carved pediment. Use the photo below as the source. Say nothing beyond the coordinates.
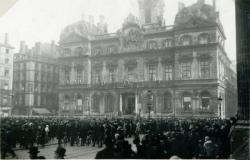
(112, 64)
(151, 60)
(73, 38)
(130, 63)
(204, 56)
(185, 57)
(132, 37)
(167, 60)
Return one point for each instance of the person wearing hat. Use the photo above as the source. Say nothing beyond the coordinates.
(33, 152)
(210, 148)
(60, 152)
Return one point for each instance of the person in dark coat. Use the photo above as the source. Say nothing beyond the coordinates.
(107, 152)
(33, 153)
(6, 144)
(60, 152)
(210, 148)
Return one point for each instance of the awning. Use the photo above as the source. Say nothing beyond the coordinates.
(41, 111)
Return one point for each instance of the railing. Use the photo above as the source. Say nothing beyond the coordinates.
(103, 36)
(117, 85)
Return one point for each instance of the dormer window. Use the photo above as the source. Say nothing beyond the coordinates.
(167, 43)
(152, 45)
(98, 51)
(66, 52)
(203, 38)
(186, 40)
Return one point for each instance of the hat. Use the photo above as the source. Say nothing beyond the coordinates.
(207, 138)
(33, 150)
(60, 151)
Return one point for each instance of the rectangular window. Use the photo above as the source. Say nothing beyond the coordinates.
(6, 73)
(168, 72)
(204, 69)
(186, 70)
(111, 75)
(7, 51)
(130, 74)
(151, 72)
(67, 77)
(79, 76)
(186, 103)
(6, 61)
(97, 76)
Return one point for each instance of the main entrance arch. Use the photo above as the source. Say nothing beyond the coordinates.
(128, 103)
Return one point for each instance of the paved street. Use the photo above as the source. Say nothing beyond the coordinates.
(75, 152)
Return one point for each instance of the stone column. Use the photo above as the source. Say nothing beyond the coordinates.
(160, 73)
(72, 74)
(195, 67)
(120, 102)
(104, 72)
(136, 103)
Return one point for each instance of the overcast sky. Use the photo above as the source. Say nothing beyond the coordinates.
(43, 20)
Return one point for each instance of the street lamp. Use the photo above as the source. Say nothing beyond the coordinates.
(219, 102)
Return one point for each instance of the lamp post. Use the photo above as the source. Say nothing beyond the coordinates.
(219, 102)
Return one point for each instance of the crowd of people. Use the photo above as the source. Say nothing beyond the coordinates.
(149, 138)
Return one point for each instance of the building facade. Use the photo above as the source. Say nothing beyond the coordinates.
(35, 84)
(6, 72)
(184, 66)
(243, 59)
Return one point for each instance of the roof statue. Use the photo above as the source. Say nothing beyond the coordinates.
(198, 13)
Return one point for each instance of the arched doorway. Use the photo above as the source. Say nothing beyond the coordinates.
(167, 102)
(109, 103)
(96, 103)
(128, 103)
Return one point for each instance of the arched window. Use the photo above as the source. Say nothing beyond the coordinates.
(205, 100)
(186, 101)
(167, 102)
(186, 40)
(96, 104)
(78, 51)
(203, 38)
(109, 103)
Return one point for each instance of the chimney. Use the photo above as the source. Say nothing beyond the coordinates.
(214, 5)
(22, 47)
(6, 40)
(181, 5)
(91, 20)
(38, 47)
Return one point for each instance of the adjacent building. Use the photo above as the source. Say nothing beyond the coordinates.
(6, 72)
(184, 66)
(35, 84)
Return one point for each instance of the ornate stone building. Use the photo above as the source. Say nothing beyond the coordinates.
(35, 84)
(6, 72)
(184, 65)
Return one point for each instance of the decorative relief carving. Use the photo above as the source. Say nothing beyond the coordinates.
(132, 38)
